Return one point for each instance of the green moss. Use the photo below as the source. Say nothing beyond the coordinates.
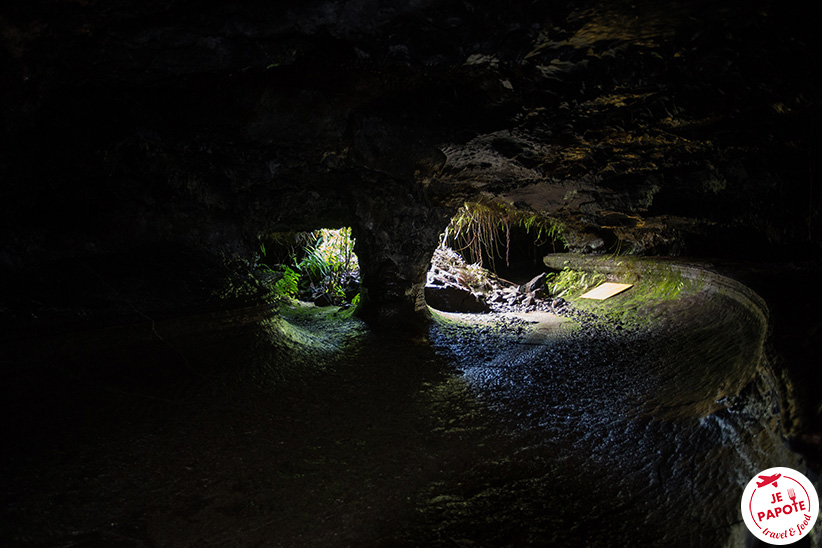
(654, 284)
(570, 283)
(441, 319)
(300, 313)
(351, 311)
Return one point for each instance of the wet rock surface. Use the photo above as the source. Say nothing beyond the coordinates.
(625, 440)
(521, 429)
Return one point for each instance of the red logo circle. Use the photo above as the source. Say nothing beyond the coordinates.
(780, 505)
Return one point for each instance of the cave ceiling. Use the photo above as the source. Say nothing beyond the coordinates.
(663, 126)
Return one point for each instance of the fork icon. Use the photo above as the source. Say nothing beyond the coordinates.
(792, 495)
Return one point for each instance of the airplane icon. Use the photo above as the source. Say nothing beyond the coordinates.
(766, 480)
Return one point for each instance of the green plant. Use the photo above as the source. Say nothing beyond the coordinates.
(288, 285)
(326, 262)
(330, 256)
(313, 265)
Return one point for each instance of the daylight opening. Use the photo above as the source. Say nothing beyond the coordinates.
(319, 267)
(489, 258)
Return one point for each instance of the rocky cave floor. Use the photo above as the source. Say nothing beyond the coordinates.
(151, 396)
(514, 429)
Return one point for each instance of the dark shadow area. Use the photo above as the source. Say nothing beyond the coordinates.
(308, 429)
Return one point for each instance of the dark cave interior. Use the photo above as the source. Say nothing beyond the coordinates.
(149, 148)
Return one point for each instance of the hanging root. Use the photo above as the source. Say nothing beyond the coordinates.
(476, 230)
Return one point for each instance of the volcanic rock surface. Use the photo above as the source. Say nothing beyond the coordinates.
(677, 128)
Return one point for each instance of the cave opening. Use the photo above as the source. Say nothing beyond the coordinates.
(490, 258)
(319, 267)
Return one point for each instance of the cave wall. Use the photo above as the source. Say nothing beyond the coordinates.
(646, 127)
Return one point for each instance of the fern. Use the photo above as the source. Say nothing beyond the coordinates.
(288, 285)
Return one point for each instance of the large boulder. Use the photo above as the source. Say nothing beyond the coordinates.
(536, 283)
(451, 298)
